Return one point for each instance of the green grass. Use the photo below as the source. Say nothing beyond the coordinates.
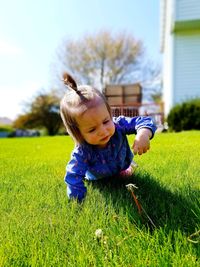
(40, 227)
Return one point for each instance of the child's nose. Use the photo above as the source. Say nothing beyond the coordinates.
(102, 130)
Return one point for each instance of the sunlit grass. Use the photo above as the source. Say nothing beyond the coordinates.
(40, 227)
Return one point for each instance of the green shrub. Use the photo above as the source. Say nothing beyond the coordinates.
(185, 116)
(6, 128)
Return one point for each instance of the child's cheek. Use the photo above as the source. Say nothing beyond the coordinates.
(92, 138)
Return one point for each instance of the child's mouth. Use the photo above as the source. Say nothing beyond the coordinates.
(105, 138)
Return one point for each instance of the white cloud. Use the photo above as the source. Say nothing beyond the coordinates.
(9, 49)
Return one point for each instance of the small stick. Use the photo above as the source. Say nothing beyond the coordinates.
(131, 188)
(196, 234)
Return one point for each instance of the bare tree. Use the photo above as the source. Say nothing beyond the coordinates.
(102, 58)
(151, 81)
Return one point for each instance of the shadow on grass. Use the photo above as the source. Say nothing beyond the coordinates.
(172, 210)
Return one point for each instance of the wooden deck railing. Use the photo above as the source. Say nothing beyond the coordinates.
(154, 110)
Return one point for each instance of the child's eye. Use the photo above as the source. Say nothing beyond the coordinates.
(91, 130)
(106, 121)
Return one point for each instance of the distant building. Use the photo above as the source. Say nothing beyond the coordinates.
(124, 99)
(127, 100)
(25, 133)
(4, 134)
(180, 45)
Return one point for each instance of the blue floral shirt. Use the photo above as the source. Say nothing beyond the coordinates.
(92, 163)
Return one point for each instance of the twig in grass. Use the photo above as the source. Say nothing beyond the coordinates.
(194, 235)
(131, 188)
(140, 208)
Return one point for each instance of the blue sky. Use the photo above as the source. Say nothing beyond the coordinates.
(32, 30)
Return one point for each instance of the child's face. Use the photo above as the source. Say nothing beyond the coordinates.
(96, 125)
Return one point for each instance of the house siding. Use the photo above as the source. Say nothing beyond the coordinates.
(186, 82)
(186, 10)
(180, 44)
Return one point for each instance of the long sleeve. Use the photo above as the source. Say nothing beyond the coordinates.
(134, 124)
(75, 173)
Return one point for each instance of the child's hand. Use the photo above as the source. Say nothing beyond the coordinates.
(142, 141)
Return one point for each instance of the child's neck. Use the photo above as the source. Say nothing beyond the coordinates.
(102, 146)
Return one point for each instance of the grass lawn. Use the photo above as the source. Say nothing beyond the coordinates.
(40, 227)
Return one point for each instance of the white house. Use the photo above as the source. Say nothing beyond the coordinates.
(180, 45)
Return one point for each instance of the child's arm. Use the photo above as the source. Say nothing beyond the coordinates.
(142, 141)
(143, 127)
(75, 187)
(76, 169)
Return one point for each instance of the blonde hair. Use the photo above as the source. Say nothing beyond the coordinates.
(75, 102)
